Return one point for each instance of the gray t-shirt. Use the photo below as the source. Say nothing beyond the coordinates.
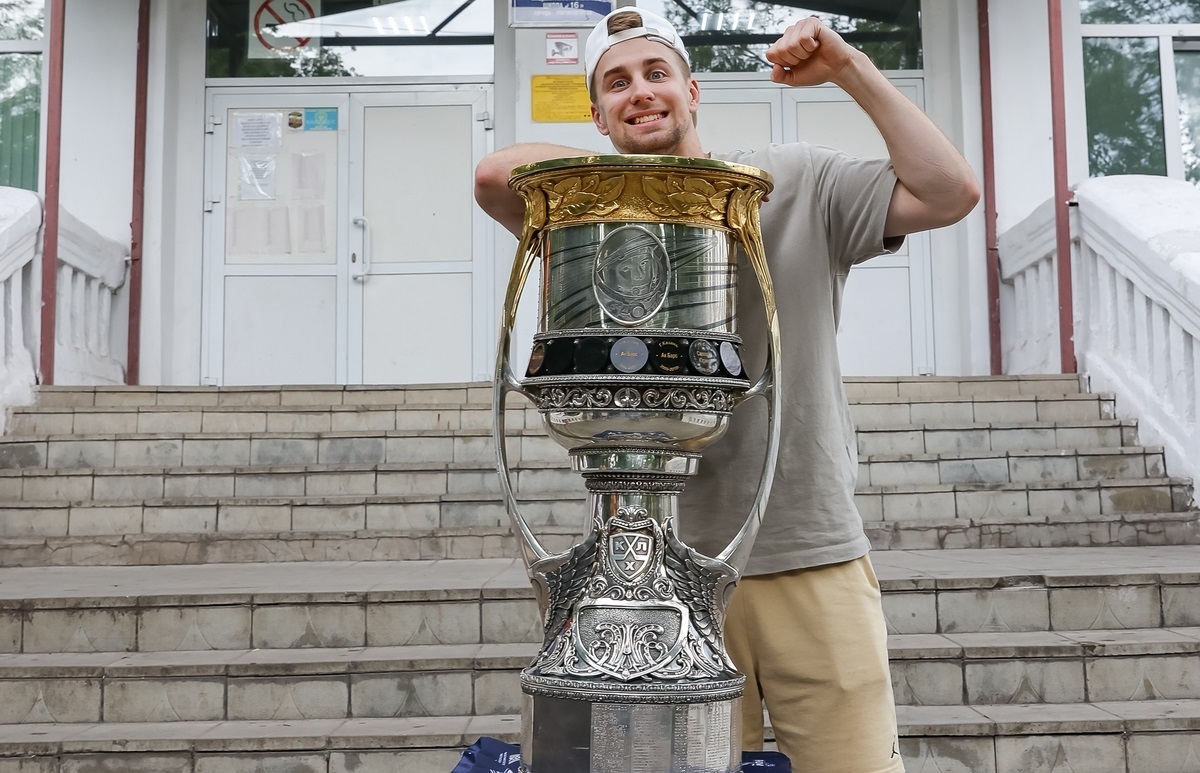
(826, 213)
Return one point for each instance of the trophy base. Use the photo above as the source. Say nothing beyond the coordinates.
(562, 735)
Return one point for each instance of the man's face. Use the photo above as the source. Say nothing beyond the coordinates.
(645, 102)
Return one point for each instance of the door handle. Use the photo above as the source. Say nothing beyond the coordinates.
(365, 270)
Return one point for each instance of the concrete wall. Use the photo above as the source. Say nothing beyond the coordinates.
(1022, 109)
(99, 65)
(173, 257)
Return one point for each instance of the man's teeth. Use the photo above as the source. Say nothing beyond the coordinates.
(645, 118)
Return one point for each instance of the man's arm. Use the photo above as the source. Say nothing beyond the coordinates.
(491, 180)
(936, 185)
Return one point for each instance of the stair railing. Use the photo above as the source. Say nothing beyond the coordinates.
(20, 246)
(1136, 275)
(92, 319)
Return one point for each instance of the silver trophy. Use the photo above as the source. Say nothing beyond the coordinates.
(636, 369)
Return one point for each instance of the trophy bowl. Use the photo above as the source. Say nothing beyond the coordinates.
(635, 369)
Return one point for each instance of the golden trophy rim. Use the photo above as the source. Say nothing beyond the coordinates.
(642, 161)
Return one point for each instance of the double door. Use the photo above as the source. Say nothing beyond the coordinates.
(343, 244)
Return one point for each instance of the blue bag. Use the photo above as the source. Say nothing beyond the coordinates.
(487, 755)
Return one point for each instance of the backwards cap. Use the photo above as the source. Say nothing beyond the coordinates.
(653, 26)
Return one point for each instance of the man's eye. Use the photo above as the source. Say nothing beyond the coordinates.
(657, 75)
(619, 83)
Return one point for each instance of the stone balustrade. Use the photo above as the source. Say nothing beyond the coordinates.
(1136, 295)
(20, 244)
(92, 312)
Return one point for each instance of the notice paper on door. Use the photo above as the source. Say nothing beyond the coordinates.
(257, 130)
(256, 178)
(258, 230)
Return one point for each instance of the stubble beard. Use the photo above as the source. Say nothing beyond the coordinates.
(667, 143)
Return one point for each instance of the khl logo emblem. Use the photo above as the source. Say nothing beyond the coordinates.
(631, 553)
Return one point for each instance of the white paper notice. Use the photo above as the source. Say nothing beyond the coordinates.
(310, 220)
(256, 182)
(261, 230)
(257, 130)
(308, 175)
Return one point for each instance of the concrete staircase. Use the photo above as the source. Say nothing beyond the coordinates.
(322, 580)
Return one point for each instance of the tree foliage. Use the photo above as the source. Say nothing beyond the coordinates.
(1123, 93)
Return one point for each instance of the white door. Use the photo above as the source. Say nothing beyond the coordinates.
(343, 244)
(887, 312)
(420, 309)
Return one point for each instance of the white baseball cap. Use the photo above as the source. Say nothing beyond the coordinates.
(653, 26)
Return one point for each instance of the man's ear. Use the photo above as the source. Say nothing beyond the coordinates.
(693, 95)
(599, 121)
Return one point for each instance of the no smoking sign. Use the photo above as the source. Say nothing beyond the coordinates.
(264, 42)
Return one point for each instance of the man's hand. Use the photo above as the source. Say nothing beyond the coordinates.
(809, 54)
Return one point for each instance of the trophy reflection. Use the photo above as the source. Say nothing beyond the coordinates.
(636, 369)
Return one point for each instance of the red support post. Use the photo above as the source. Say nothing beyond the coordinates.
(52, 191)
(136, 222)
(989, 189)
(1062, 193)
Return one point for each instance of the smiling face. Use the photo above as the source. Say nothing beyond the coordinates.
(645, 99)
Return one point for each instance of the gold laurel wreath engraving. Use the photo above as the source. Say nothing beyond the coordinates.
(583, 195)
(675, 194)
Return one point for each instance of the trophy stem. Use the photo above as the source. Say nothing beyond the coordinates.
(633, 675)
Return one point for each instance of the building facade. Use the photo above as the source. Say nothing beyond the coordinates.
(304, 195)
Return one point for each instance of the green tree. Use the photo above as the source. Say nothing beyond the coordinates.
(1123, 94)
(1140, 11)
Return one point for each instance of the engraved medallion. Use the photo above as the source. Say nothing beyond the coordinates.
(591, 354)
(703, 356)
(629, 354)
(730, 358)
(631, 275)
(669, 357)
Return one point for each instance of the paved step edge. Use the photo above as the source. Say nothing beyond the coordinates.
(1104, 718)
(975, 648)
(479, 542)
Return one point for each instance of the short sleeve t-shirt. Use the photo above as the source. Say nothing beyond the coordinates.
(825, 214)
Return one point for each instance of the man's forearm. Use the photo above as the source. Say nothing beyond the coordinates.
(491, 179)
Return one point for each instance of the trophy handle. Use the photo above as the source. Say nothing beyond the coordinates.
(506, 381)
(737, 553)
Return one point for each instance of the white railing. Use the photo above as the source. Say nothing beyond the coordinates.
(91, 313)
(92, 317)
(1029, 295)
(1136, 296)
(20, 243)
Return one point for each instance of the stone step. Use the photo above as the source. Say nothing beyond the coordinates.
(942, 442)
(148, 549)
(109, 483)
(881, 412)
(426, 681)
(1105, 737)
(489, 601)
(480, 393)
(316, 480)
(1011, 503)
(233, 449)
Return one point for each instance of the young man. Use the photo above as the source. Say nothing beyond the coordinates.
(806, 624)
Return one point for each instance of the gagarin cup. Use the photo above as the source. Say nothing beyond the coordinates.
(635, 369)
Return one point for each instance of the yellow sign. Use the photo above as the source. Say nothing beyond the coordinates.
(560, 99)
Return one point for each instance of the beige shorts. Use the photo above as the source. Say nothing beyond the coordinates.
(813, 646)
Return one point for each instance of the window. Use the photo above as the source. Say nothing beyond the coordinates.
(21, 41)
(349, 38)
(731, 35)
(1141, 62)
